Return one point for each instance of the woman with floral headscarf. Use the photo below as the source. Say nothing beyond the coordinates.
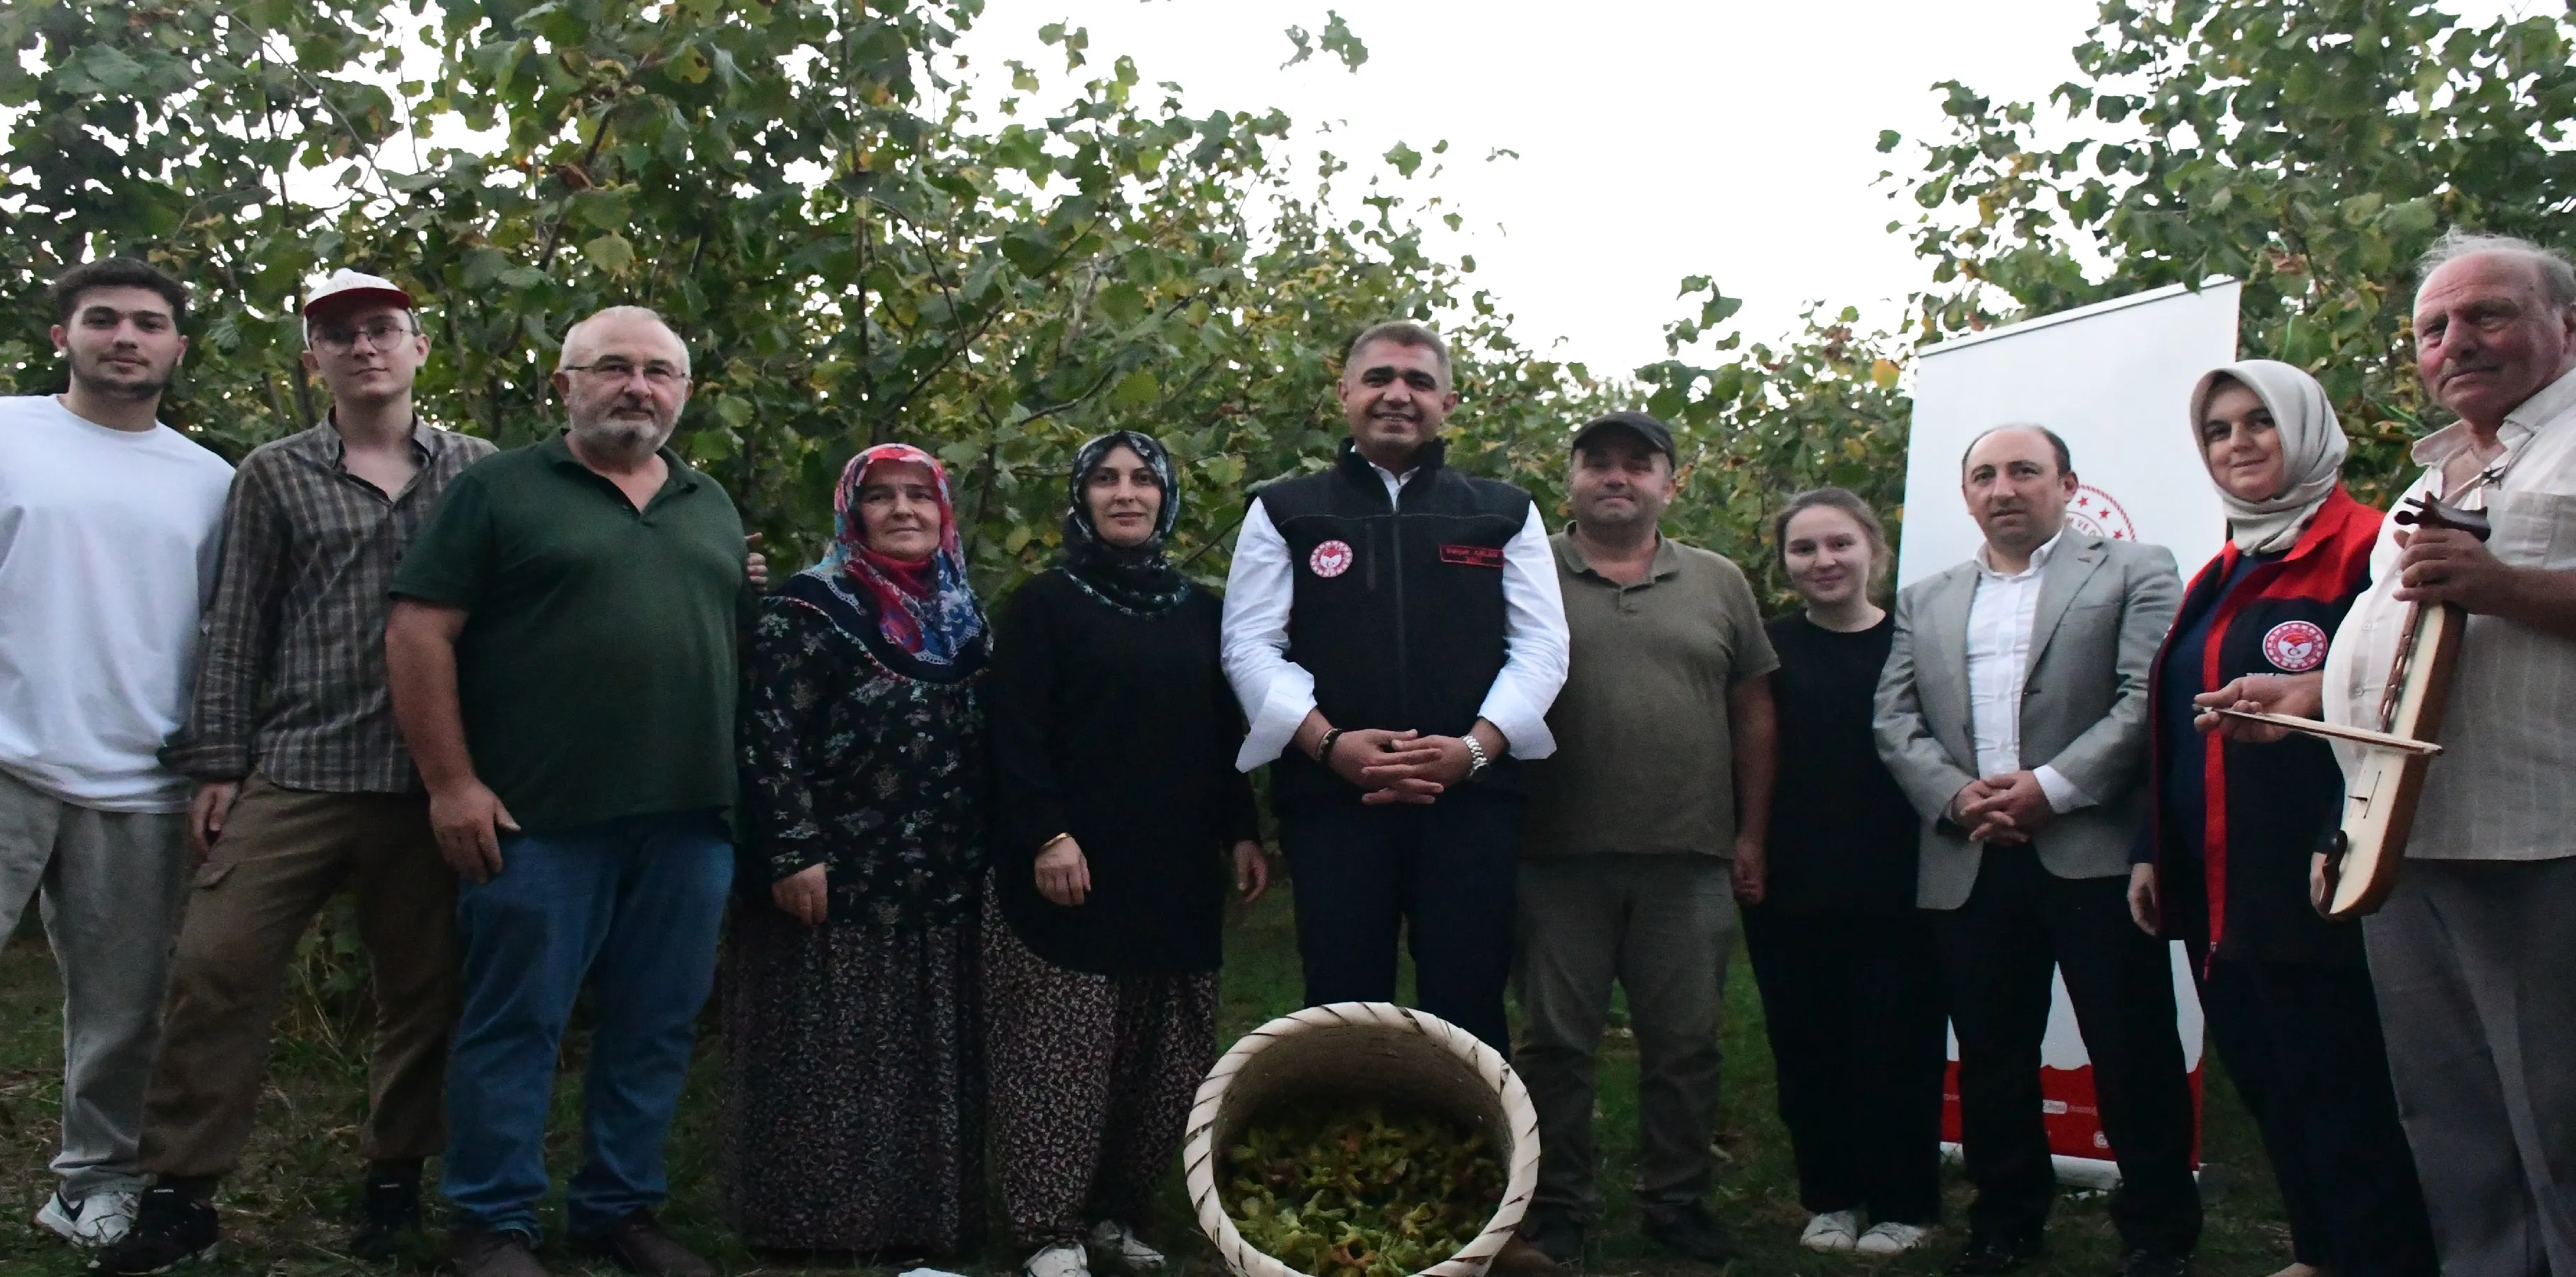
(2223, 861)
(1118, 819)
(853, 1051)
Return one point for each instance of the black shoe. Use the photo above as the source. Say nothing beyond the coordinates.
(1688, 1229)
(2148, 1262)
(1987, 1256)
(172, 1226)
(484, 1252)
(1556, 1234)
(388, 1208)
(638, 1245)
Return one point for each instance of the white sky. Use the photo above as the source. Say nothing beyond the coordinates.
(1658, 138)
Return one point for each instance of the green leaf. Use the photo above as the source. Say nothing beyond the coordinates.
(108, 70)
(1135, 390)
(689, 65)
(1404, 158)
(610, 253)
(1122, 302)
(482, 267)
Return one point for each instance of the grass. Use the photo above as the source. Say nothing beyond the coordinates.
(284, 1211)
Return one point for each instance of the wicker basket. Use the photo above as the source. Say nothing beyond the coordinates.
(1364, 1050)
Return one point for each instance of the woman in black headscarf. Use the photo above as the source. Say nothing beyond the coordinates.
(1118, 816)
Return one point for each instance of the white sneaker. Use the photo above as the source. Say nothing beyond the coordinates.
(100, 1219)
(1833, 1230)
(1131, 1250)
(1890, 1239)
(1062, 1260)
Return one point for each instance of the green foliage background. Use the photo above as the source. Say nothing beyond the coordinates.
(2312, 149)
(859, 250)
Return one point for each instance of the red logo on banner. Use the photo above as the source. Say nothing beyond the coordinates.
(1474, 556)
(2095, 513)
(2295, 646)
(1331, 559)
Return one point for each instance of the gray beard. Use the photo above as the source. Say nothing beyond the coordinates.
(610, 437)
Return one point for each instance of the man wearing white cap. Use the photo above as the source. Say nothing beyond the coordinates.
(107, 542)
(303, 785)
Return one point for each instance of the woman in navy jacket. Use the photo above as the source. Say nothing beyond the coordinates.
(2223, 861)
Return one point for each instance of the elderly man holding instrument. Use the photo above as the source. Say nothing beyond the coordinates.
(2472, 954)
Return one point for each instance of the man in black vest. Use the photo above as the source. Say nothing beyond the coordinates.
(1395, 633)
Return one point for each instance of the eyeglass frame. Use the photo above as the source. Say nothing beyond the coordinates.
(321, 333)
(629, 371)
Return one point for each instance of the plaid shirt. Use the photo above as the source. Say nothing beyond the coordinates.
(291, 674)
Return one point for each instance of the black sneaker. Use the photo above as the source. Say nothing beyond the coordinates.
(388, 1208)
(171, 1227)
(1689, 1230)
(1989, 1256)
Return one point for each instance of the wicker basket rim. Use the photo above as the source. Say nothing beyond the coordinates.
(1203, 1161)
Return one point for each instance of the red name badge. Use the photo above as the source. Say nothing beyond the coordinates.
(1474, 556)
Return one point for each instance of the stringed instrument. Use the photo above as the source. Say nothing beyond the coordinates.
(2380, 793)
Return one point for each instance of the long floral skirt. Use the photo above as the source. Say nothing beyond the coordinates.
(853, 1081)
(1093, 1077)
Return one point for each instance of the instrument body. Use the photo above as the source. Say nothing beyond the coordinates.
(2381, 792)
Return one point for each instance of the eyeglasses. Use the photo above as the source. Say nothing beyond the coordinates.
(381, 335)
(657, 374)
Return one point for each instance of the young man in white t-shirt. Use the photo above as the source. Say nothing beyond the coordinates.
(108, 538)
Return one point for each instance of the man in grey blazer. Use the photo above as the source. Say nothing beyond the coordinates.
(2013, 712)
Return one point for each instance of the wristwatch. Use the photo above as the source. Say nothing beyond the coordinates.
(1477, 760)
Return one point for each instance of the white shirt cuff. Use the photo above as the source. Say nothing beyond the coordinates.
(1523, 732)
(2063, 796)
(1291, 698)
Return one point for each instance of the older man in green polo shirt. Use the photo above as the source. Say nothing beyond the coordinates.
(1644, 827)
(562, 657)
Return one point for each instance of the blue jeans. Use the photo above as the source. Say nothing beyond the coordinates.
(634, 904)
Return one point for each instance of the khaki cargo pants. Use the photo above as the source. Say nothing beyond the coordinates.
(282, 854)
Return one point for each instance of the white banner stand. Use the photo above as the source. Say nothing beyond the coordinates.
(2114, 379)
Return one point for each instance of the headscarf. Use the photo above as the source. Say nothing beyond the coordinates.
(926, 608)
(2312, 451)
(1132, 578)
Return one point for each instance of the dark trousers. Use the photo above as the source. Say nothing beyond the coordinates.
(1443, 873)
(2301, 1041)
(1996, 953)
(1852, 1003)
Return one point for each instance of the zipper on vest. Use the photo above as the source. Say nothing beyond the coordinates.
(1403, 654)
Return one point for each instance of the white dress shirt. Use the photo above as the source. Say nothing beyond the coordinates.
(2000, 619)
(1278, 693)
(2502, 788)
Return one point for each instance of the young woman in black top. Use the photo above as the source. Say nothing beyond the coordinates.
(1119, 819)
(1850, 993)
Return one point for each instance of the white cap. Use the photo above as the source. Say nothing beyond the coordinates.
(346, 286)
